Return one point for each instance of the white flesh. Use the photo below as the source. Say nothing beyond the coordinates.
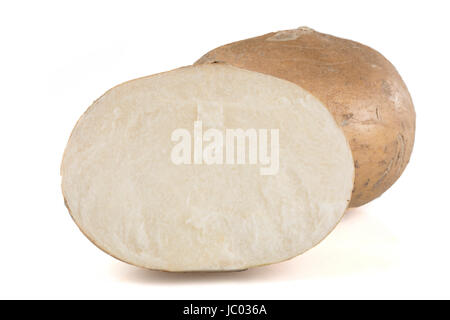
(132, 201)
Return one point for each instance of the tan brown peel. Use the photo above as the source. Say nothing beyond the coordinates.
(360, 87)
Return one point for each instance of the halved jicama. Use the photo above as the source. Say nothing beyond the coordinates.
(128, 196)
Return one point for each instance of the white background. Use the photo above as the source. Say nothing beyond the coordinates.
(57, 57)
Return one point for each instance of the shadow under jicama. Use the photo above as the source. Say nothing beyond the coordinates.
(361, 243)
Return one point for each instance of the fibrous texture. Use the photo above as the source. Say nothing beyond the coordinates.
(128, 195)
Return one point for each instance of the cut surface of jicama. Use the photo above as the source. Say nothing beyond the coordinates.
(143, 179)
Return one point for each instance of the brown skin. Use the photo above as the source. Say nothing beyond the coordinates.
(362, 89)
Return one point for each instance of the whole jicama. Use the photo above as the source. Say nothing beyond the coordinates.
(360, 87)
